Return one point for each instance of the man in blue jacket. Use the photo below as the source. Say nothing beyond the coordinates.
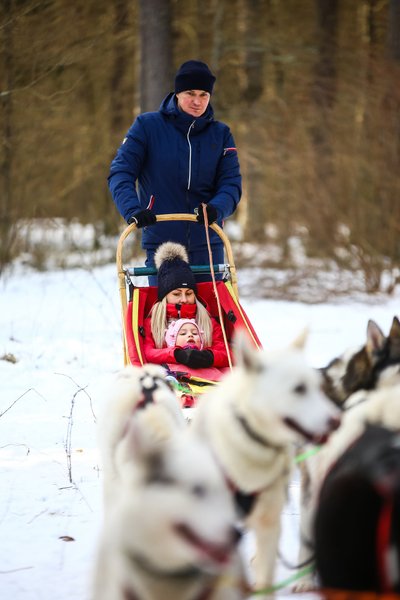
(180, 157)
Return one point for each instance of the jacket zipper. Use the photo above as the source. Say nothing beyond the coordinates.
(189, 181)
(190, 154)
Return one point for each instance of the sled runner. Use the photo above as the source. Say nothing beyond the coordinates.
(221, 298)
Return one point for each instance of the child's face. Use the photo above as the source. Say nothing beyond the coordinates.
(188, 334)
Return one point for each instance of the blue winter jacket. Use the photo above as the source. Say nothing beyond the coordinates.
(180, 161)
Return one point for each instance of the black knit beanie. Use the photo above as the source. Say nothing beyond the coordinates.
(194, 75)
(174, 272)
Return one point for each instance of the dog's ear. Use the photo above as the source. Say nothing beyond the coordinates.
(395, 329)
(375, 339)
(394, 341)
(300, 341)
(246, 355)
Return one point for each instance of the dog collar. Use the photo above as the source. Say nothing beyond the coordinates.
(256, 437)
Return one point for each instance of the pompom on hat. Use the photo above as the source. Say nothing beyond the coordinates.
(174, 272)
(174, 328)
(194, 75)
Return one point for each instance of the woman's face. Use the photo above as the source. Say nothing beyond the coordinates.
(181, 296)
(193, 102)
(188, 334)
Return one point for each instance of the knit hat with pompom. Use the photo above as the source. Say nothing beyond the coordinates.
(174, 272)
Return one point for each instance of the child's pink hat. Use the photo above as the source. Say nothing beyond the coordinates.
(173, 330)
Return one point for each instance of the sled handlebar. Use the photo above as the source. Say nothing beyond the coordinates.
(179, 217)
(141, 271)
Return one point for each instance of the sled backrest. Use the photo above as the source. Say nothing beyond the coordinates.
(142, 299)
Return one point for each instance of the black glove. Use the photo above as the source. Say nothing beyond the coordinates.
(143, 218)
(196, 359)
(212, 214)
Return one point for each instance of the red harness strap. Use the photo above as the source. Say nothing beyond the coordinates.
(383, 534)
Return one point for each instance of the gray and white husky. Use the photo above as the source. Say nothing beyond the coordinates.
(362, 368)
(169, 526)
(252, 421)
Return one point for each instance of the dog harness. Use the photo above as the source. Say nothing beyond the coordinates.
(256, 437)
(245, 500)
(149, 385)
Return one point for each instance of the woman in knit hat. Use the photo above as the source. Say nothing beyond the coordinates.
(177, 299)
(179, 157)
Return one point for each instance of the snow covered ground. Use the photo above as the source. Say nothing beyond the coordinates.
(60, 340)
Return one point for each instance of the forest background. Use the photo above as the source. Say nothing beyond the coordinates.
(310, 89)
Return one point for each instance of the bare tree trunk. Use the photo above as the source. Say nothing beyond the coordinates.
(256, 21)
(322, 223)
(120, 66)
(393, 42)
(325, 69)
(255, 50)
(156, 53)
(6, 219)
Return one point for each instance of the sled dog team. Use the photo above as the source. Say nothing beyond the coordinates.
(177, 496)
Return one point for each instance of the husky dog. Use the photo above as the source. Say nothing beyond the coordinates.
(356, 532)
(346, 381)
(252, 420)
(135, 391)
(362, 368)
(170, 533)
(380, 407)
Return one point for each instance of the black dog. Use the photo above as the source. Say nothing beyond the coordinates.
(357, 523)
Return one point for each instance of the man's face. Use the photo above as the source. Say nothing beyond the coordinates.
(193, 102)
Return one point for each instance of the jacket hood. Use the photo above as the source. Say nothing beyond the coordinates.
(182, 120)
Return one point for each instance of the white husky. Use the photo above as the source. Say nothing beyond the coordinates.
(169, 526)
(252, 420)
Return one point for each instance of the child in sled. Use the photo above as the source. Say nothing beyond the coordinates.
(185, 337)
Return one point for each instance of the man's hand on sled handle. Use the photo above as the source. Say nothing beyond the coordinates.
(143, 218)
(212, 213)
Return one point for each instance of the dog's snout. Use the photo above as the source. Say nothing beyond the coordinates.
(334, 423)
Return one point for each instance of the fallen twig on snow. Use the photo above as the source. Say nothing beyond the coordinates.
(19, 398)
(68, 439)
